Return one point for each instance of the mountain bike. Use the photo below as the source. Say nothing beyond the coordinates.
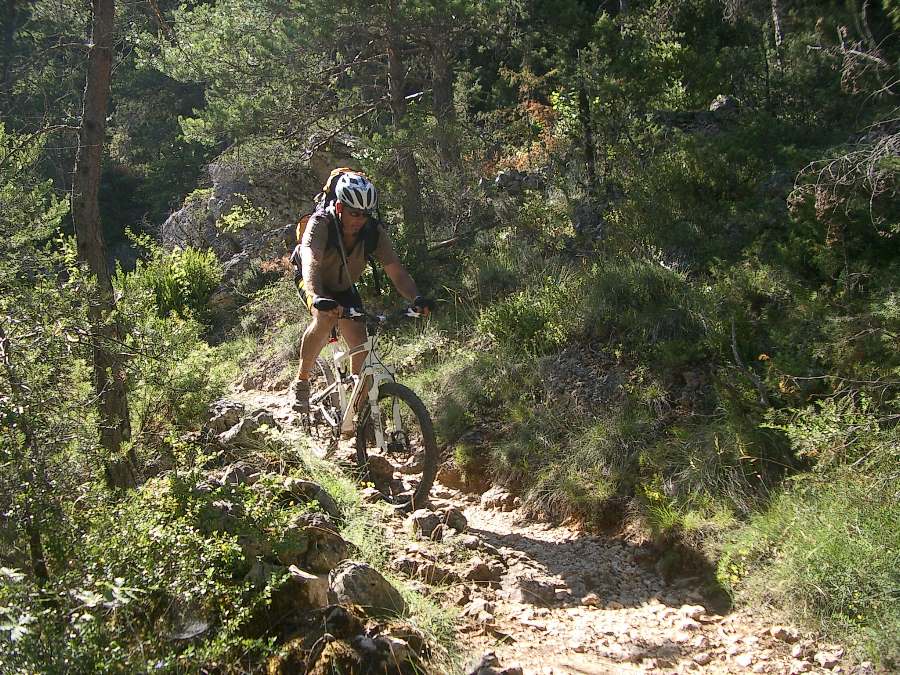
(390, 423)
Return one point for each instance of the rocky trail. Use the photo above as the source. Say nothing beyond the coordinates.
(541, 598)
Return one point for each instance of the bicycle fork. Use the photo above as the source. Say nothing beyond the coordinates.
(374, 409)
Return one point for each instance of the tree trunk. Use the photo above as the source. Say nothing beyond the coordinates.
(406, 161)
(778, 35)
(587, 127)
(442, 97)
(109, 372)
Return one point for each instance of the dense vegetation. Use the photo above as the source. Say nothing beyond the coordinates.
(686, 320)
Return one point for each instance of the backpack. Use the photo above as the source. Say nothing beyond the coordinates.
(323, 200)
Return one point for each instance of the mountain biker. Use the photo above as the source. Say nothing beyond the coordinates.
(330, 272)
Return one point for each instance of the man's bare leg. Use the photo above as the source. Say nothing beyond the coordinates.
(354, 334)
(315, 337)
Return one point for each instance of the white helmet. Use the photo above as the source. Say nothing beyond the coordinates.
(357, 192)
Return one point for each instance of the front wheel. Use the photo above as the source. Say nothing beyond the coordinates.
(324, 402)
(405, 468)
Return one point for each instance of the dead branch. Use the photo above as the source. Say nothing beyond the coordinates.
(754, 378)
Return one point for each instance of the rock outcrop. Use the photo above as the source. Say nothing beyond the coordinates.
(361, 584)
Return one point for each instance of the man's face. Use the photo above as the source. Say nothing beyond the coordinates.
(352, 219)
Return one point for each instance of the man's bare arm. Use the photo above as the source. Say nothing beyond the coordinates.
(312, 270)
(401, 279)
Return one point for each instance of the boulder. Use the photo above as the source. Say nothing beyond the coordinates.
(244, 434)
(426, 570)
(530, 591)
(784, 633)
(238, 473)
(481, 571)
(489, 664)
(296, 592)
(423, 522)
(310, 590)
(381, 472)
(264, 417)
(306, 491)
(481, 610)
(453, 517)
(498, 498)
(361, 584)
(224, 414)
(453, 477)
(311, 541)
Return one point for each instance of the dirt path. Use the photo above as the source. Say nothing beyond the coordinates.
(551, 599)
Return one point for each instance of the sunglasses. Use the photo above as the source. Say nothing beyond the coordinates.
(356, 213)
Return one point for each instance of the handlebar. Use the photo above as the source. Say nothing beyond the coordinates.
(357, 314)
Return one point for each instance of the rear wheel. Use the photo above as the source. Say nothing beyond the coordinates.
(404, 470)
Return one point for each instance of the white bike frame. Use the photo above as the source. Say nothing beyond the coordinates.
(372, 370)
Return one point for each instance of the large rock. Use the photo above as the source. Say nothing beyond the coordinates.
(489, 664)
(248, 431)
(361, 584)
(423, 522)
(474, 479)
(237, 473)
(296, 591)
(244, 434)
(426, 570)
(381, 472)
(530, 591)
(481, 571)
(311, 541)
(498, 498)
(453, 517)
(224, 414)
(306, 491)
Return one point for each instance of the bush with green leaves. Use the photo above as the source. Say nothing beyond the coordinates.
(174, 374)
(162, 561)
(181, 280)
(536, 319)
(827, 549)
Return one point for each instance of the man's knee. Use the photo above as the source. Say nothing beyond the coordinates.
(320, 325)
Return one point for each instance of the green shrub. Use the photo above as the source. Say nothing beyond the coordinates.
(640, 303)
(143, 564)
(173, 373)
(537, 319)
(827, 550)
(181, 280)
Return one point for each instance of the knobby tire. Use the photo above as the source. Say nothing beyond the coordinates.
(431, 458)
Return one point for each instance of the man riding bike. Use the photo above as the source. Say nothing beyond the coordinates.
(332, 253)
